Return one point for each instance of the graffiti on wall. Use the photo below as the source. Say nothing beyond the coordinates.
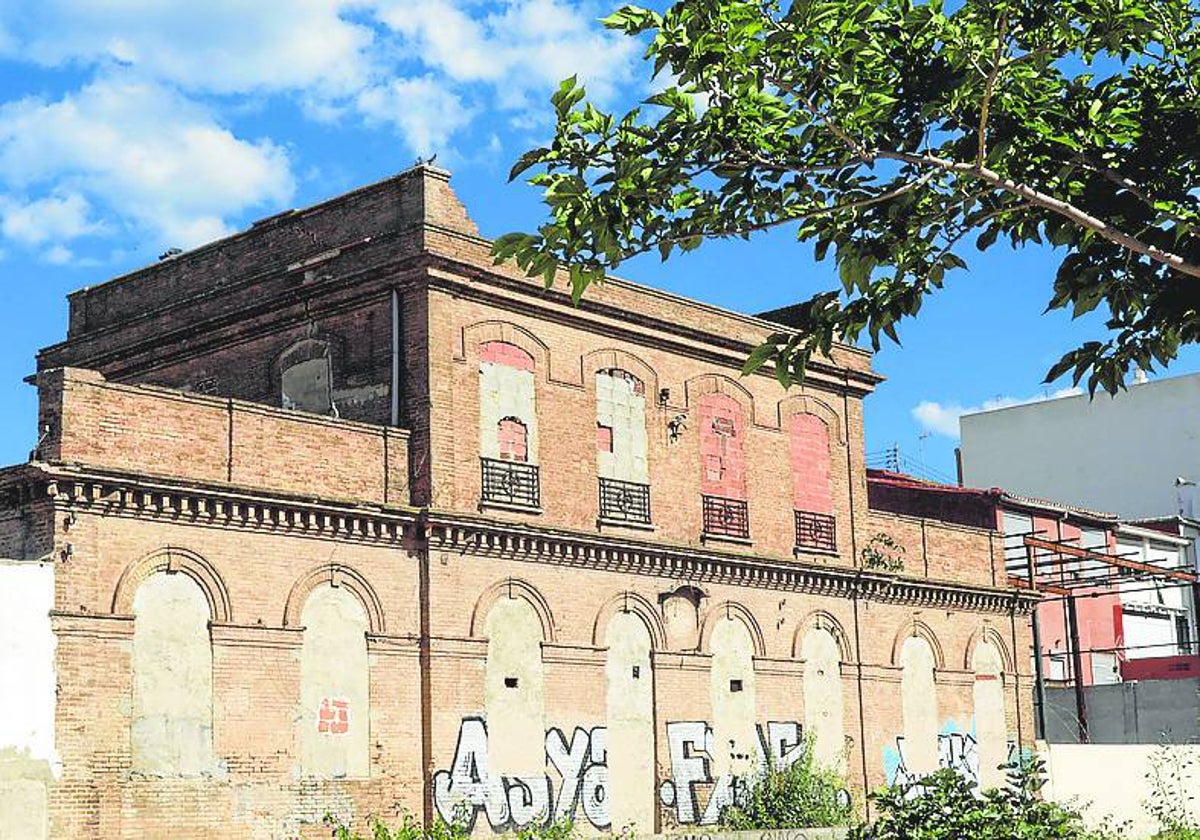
(957, 751)
(580, 762)
(692, 793)
(580, 765)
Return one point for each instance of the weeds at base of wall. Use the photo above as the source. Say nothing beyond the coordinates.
(948, 806)
(410, 828)
(802, 794)
(1173, 788)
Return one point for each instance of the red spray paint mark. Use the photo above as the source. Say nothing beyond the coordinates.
(333, 718)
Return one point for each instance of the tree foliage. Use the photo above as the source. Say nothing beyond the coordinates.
(897, 136)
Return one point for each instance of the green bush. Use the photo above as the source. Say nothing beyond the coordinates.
(410, 828)
(947, 806)
(801, 795)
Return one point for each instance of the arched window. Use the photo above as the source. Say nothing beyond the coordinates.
(809, 441)
(722, 455)
(823, 706)
(334, 686)
(918, 695)
(629, 684)
(991, 729)
(513, 690)
(172, 678)
(306, 377)
(513, 439)
(506, 401)
(621, 426)
(732, 691)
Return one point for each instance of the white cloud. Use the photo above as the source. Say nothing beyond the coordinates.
(521, 48)
(55, 217)
(59, 255)
(143, 150)
(942, 418)
(223, 46)
(425, 113)
(146, 154)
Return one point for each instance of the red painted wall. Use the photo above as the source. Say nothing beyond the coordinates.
(810, 464)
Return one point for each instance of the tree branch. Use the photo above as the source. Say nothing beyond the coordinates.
(989, 89)
(1049, 202)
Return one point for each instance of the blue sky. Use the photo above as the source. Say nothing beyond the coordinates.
(133, 126)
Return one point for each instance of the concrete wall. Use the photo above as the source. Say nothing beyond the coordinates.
(1111, 784)
(28, 758)
(1148, 712)
(1119, 454)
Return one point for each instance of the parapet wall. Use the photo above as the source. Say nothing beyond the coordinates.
(940, 551)
(86, 420)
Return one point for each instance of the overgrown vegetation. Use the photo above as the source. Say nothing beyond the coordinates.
(883, 553)
(1173, 787)
(947, 806)
(801, 795)
(410, 828)
(458, 828)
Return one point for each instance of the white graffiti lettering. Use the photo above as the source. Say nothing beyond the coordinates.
(693, 795)
(957, 751)
(691, 749)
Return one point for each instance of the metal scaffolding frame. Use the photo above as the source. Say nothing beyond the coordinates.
(1045, 564)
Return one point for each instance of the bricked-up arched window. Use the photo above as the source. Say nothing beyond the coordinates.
(306, 377)
(172, 733)
(334, 686)
(513, 439)
(722, 453)
(506, 402)
(621, 426)
(991, 729)
(810, 464)
(514, 690)
(918, 700)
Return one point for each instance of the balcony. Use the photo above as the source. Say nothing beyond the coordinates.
(510, 484)
(624, 502)
(816, 531)
(726, 518)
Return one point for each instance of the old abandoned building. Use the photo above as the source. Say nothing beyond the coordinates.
(336, 515)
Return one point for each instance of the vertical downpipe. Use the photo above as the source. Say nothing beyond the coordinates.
(862, 716)
(395, 418)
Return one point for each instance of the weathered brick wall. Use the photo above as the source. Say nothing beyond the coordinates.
(260, 505)
(155, 431)
(257, 790)
(567, 356)
(942, 551)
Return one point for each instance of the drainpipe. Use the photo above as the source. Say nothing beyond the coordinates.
(397, 344)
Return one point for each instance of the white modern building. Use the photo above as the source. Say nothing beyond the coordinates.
(1136, 454)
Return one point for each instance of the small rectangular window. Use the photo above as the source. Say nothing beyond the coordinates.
(735, 685)
(604, 438)
(510, 682)
(637, 672)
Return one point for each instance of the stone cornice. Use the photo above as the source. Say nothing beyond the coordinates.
(115, 494)
(228, 506)
(449, 532)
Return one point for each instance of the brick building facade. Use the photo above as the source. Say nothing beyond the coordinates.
(336, 515)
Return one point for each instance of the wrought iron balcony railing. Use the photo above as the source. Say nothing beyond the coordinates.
(726, 518)
(816, 531)
(624, 501)
(510, 483)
